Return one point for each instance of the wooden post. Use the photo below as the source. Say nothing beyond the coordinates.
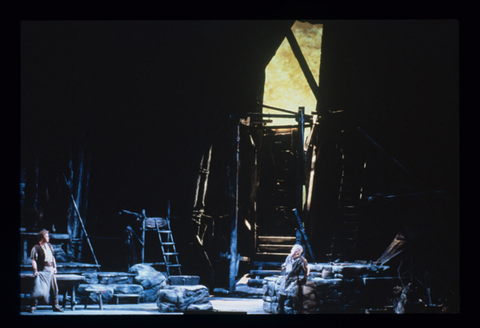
(81, 222)
(143, 235)
(304, 235)
(234, 224)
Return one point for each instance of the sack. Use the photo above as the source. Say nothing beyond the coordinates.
(41, 286)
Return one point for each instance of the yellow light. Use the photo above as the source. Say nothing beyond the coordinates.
(285, 83)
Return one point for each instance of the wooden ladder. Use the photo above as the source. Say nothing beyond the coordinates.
(169, 250)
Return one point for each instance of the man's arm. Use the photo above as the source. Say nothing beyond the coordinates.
(34, 266)
(54, 265)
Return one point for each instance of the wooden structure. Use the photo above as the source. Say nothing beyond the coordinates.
(162, 229)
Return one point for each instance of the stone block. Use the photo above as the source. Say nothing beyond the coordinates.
(90, 277)
(106, 296)
(148, 295)
(153, 279)
(183, 298)
(110, 278)
(142, 271)
(127, 288)
(270, 307)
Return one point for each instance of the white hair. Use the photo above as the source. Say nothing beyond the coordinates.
(297, 247)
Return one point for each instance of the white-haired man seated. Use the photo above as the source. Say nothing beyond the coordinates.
(296, 271)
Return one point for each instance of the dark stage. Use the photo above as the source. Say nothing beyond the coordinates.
(118, 115)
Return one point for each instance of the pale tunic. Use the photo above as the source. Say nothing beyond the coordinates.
(45, 284)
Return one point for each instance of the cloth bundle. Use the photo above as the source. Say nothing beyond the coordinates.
(42, 285)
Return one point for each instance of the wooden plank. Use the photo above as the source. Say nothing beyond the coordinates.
(265, 272)
(276, 239)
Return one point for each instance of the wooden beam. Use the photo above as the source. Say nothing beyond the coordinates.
(303, 63)
(234, 224)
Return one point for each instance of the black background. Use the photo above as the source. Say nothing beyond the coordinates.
(147, 96)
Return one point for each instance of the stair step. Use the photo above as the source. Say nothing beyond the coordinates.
(155, 263)
(276, 239)
(266, 264)
(264, 273)
(269, 253)
(274, 248)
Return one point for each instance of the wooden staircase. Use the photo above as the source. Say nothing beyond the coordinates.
(271, 254)
(344, 240)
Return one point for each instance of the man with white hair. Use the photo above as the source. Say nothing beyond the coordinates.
(296, 271)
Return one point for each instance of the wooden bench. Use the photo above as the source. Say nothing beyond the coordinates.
(126, 296)
(98, 292)
(66, 283)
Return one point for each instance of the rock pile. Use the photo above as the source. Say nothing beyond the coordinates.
(315, 293)
(329, 288)
(184, 298)
(150, 279)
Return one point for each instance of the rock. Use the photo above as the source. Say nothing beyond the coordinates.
(148, 295)
(200, 307)
(142, 271)
(183, 298)
(59, 253)
(110, 278)
(154, 279)
(106, 296)
(127, 289)
(326, 282)
(270, 307)
(90, 277)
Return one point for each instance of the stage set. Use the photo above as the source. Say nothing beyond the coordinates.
(176, 163)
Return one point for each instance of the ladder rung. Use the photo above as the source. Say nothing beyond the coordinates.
(174, 265)
(170, 253)
(165, 231)
(168, 243)
(155, 263)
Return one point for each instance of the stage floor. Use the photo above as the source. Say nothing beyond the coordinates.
(220, 304)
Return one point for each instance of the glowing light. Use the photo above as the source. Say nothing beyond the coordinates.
(285, 83)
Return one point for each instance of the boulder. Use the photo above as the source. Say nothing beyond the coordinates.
(127, 288)
(90, 277)
(183, 298)
(154, 279)
(148, 295)
(106, 296)
(110, 278)
(142, 271)
(59, 253)
(270, 307)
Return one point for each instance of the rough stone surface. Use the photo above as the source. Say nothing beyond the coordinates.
(148, 295)
(60, 255)
(110, 278)
(106, 296)
(150, 279)
(127, 288)
(142, 271)
(155, 279)
(90, 277)
(183, 298)
(270, 296)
